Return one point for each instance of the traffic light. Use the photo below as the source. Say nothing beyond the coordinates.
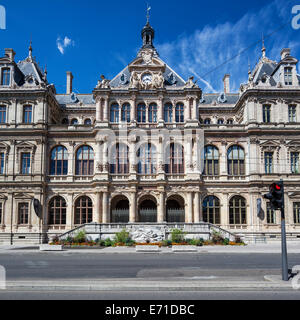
(276, 195)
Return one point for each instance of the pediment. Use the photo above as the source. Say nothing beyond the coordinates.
(295, 195)
(3, 197)
(25, 145)
(270, 144)
(24, 196)
(141, 64)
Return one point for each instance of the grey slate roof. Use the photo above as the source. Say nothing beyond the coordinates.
(208, 99)
(64, 99)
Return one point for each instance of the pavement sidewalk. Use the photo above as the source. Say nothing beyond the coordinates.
(152, 284)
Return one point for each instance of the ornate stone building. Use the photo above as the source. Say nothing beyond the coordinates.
(147, 147)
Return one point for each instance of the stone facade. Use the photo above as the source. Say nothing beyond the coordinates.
(58, 148)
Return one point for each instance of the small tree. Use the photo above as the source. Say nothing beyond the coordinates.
(177, 236)
(80, 237)
(123, 237)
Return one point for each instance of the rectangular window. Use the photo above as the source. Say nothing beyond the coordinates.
(27, 114)
(1, 212)
(2, 163)
(295, 162)
(5, 77)
(271, 214)
(288, 76)
(266, 113)
(2, 114)
(292, 114)
(296, 207)
(268, 162)
(25, 163)
(23, 213)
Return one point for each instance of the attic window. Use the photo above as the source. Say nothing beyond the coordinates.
(5, 77)
(288, 76)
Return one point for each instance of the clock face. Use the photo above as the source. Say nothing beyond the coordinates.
(147, 78)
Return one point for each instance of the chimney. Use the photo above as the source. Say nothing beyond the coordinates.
(285, 52)
(10, 54)
(69, 82)
(226, 81)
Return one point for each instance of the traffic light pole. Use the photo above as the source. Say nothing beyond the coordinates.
(285, 269)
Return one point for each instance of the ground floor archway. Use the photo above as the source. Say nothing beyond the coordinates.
(175, 209)
(120, 210)
(147, 210)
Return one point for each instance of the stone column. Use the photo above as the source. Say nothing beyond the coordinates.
(98, 111)
(97, 208)
(106, 109)
(195, 113)
(132, 213)
(133, 109)
(189, 208)
(70, 220)
(197, 207)
(161, 208)
(160, 110)
(187, 110)
(105, 215)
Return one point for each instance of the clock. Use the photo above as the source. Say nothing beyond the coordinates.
(147, 78)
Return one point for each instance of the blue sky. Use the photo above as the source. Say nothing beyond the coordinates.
(194, 37)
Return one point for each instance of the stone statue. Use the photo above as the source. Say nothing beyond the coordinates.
(158, 80)
(103, 83)
(134, 80)
(190, 84)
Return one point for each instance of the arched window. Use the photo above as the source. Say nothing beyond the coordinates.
(119, 159)
(125, 114)
(152, 113)
(59, 161)
(211, 161)
(237, 211)
(207, 121)
(220, 121)
(230, 121)
(168, 113)
(114, 113)
(236, 161)
(83, 211)
(85, 161)
(175, 159)
(147, 162)
(141, 113)
(87, 122)
(57, 211)
(179, 113)
(211, 210)
(74, 122)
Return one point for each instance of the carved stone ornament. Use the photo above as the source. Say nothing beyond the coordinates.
(103, 83)
(147, 56)
(190, 84)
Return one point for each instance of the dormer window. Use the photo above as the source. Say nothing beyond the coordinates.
(5, 77)
(288, 76)
(266, 114)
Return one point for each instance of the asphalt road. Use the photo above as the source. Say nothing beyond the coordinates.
(67, 265)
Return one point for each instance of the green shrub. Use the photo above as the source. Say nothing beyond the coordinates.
(177, 236)
(195, 242)
(80, 237)
(123, 237)
(108, 242)
(226, 242)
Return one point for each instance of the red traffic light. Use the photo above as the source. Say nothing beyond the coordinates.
(277, 187)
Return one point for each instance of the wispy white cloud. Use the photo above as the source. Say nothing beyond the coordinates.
(204, 52)
(62, 44)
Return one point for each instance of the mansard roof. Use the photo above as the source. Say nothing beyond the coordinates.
(217, 99)
(75, 99)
